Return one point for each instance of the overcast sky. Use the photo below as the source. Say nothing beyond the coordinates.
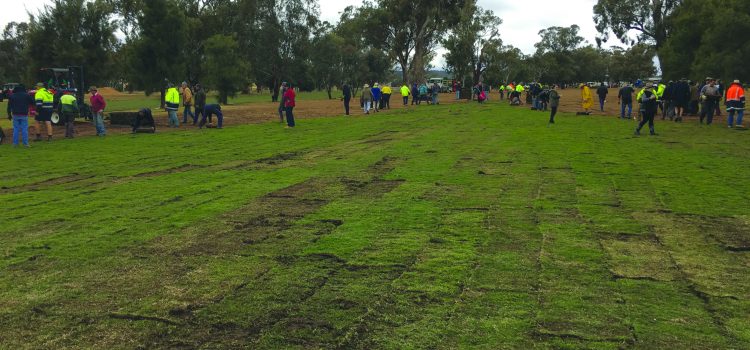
(522, 20)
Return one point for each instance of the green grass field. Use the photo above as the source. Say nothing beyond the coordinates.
(459, 226)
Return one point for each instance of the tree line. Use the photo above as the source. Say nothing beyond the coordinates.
(228, 44)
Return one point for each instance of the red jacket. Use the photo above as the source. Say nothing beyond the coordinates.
(97, 103)
(735, 92)
(289, 98)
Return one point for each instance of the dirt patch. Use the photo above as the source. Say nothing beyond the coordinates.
(733, 234)
(177, 169)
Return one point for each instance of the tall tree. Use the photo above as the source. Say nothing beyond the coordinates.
(474, 44)
(326, 58)
(156, 53)
(647, 17)
(226, 71)
(709, 38)
(631, 64)
(71, 33)
(554, 59)
(12, 46)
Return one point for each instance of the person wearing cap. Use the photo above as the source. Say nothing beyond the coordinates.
(289, 104)
(172, 104)
(44, 103)
(602, 92)
(69, 109)
(735, 102)
(710, 96)
(586, 99)
(387, 91)
(366, 98)
(375, 96)
(97, 108)
(649, 104)
(405, 92)
(282, 103)
(20, 104)
(187, 102)
(625, 99)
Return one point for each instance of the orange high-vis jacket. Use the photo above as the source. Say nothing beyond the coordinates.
(735, 92)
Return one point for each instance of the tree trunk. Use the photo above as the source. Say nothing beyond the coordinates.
(328, 90)
(274, 83)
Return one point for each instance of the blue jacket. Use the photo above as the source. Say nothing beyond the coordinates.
(376, 94)
(19, 102)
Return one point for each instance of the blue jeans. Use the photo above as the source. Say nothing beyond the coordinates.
(458, 94)
(99, 124)
(173, 121)
(730, 118)
(434, 99)
(187, 112)
(20, 128)
(622, 109)
(290, 116)
(601, 103)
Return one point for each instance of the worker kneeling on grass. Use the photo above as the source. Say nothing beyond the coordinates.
(210, 110)
(144, 118)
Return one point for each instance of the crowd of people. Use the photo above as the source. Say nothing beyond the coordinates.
(674, 100)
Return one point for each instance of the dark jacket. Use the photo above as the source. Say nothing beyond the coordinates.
(200, 99)
(602, 91)
(19, 102)
(347, 91)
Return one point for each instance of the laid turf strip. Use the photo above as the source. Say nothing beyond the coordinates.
(463, 226)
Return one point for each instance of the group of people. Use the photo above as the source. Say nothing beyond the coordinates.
(378, 97)
(187, 98)
(22, 106)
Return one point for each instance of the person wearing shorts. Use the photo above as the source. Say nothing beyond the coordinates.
(44, 103)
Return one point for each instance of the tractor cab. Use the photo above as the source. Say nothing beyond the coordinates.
(66, 81)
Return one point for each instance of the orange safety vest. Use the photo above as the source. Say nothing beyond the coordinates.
(735, 92)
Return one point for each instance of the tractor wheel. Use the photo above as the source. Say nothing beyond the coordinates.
(56, 119)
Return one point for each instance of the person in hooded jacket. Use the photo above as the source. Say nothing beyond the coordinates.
(19, 104)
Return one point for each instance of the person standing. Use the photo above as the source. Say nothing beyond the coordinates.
(435, 91)
(422, 93)
(554, 102)
(19, 104)
(387, 91)
(282, 103)
(710, 96)
(44, 103)
(694, 99)
(586, 99)
(625, 99)
(346, 90)
(602, 92)
(69, 109)
(289, 104)
(187, 102)
(414, 94)
(458, 90)
(502, 91)
(366, 98)
(660, 87)
(680, 98)
(649, 104)
(172, 103)
(735, 102)
(97, 108)
(200, 103)
(375, 96)
(405, 93)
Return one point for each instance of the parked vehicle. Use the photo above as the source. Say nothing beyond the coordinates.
(444, 84)
(6, 90)
(66, 81)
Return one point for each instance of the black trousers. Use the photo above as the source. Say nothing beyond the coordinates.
(709, 107)
(69, 118)
(553, 111)
(648, 117)
(346, 104)
(386, 101)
